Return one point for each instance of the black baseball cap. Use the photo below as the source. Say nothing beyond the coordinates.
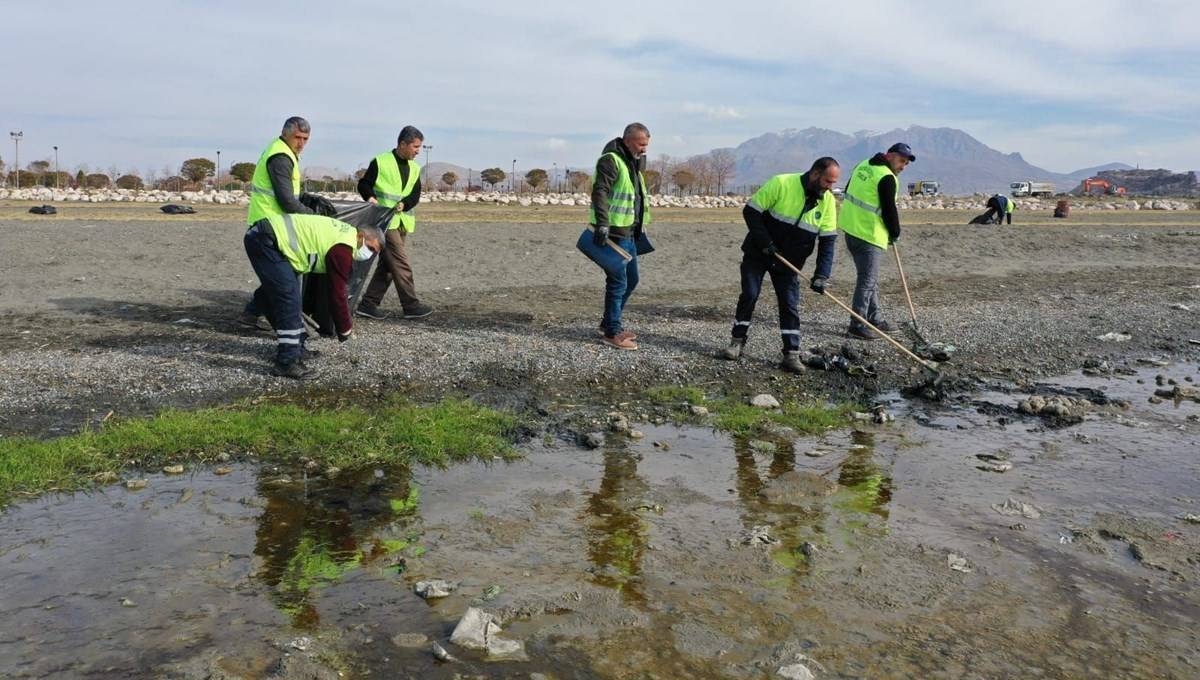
(902, 149)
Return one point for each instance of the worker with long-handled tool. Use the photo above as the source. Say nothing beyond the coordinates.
(871, 222)
(790, 216)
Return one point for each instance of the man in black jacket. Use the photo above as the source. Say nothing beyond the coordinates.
(790, 216)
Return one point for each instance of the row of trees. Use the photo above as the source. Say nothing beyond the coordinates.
(709, 173)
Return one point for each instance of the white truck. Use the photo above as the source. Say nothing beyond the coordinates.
(1031, 188)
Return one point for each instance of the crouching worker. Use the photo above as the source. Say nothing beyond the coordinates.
(283, 247)
(789, 216)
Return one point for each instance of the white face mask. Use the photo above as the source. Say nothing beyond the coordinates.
(363, 253)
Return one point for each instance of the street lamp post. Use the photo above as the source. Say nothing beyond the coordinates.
(554, 179)
(512, 180)
(217, 177)
(428, 148)
(16, 137)
(56, 178)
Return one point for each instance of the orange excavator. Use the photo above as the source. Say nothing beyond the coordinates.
(1099, 185)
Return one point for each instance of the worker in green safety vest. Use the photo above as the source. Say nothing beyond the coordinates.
(871, 222)
(275, 190)
(619, 212)
(1000, 208)
(393, 179)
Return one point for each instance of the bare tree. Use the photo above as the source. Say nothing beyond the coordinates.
(724, 163)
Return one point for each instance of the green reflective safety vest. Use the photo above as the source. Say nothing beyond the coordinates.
(1008, 204)
(262, 194)
(861, 216)
(390, 190)
(305, 239)
(783, 197)
(621, 211)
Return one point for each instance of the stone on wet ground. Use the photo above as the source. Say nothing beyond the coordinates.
(764, 401)
(434, 588)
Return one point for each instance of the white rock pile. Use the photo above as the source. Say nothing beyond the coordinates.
(976, 202)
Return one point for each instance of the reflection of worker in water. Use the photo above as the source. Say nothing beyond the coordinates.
(790, 216)
(308, 540)
(999, 208)
(618, 538)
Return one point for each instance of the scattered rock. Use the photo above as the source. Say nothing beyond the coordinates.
(501, 649)
(796, 671)
(410, 640)
(995, 466)
(816, 453)
(135, 484)
(434, 588)
(636, 434)
(662, 445)
(1015, 507)
(619, 423)
(223, 470)
(1180, 306)
(1192, 518)
(764, 401)
(301, 643)
(882, 417)
(809, 550)
(106, 478)
(126, 602)
(698, 411)
(593, 440)
(441, 654)
(758, 535)
(1114, 337)
(173, 469)
(474, 629)
(958, 563)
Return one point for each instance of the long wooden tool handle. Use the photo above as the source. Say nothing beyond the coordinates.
(904, 281)
(868, 324)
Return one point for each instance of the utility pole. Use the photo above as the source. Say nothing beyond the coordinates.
(554, 179)
(16, 137)
(425, 170)
(217, 177)
(512, 179)
(56, 180)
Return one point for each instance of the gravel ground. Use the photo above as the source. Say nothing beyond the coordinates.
(115, 310)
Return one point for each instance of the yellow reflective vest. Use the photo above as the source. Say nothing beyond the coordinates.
(390, 189)
(305, 239)
(860, 215)
(621, 212)
(262, 194)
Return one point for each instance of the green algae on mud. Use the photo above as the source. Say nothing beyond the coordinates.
(734, 415)
(396, 432)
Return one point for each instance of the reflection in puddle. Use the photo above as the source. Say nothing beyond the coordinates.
(617, 536)
(311, 536)
(868, 489)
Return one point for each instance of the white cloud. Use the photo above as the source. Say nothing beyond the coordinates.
(554, 144)
(712, 112)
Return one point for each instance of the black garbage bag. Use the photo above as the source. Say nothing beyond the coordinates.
(173, 209)
(316, 286)
(44, 210)
(989, 217)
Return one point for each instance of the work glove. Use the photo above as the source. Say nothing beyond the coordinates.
(894, 236)
(770, 251)
(318, 204)
(600, 236)
(818, 284)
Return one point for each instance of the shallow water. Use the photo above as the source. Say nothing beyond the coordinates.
(628, 561)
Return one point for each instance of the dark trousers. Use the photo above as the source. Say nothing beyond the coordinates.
(393, 266)
(617, 289)
(867, 257)
(787, 293)
(279, 295)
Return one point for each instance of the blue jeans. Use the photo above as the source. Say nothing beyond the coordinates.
(866, 285)
(279, 295)
(617, 289)
(787, 293)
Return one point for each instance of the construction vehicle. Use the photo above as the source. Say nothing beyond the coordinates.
(1028, 188)
(923, 187)
(1099, 185)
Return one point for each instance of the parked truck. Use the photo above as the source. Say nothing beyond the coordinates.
(923, 187)
(1031, 188)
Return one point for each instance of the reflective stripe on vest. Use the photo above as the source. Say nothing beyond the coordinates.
(861, 216)
(262, 194)
(390, 189)
(622, 210)
(305, 239)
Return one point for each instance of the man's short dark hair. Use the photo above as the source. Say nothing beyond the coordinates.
(822, 164)
(295, 124)
(634, 128)
(408, 134)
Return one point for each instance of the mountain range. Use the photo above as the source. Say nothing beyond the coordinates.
(961, 163)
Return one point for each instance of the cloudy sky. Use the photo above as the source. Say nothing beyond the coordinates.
(145, 85)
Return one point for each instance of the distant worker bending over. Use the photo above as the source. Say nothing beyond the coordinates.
(275, 189)
(790, 216)
(394, 179)
(280, 248)
(871, 222)
(999, 208)
(620, 210)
